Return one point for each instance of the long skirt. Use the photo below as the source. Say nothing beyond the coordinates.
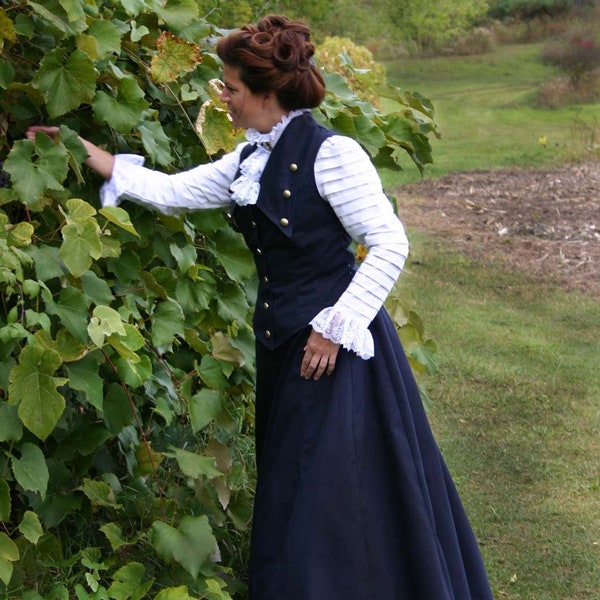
(354, 500)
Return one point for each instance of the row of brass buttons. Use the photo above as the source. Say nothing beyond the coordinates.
(284, 223)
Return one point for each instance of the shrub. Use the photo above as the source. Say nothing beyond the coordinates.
(478, 41)
(577, 55)
(531, 9)
(354, 63)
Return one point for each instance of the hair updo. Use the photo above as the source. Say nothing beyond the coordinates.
(276, 55)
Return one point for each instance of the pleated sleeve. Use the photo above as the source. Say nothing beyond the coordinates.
(205, 186)
(347, 179)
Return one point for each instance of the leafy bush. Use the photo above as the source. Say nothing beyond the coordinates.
(577, 55)
(531, 9)
(126, 354)
(355, 64)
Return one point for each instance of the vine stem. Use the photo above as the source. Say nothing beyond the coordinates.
(145, 440)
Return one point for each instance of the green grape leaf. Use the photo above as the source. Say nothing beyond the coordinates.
(83, 376)
(177, 14)
(190, 545)
(119, 217)
(172, 593)
(11, 427)
(104, 322)
(204, 407)
(31, 470)
(33, 387)
(369, 135)
(134, 372)
(230, 251)
(9, 553)
(128, 582)
(99, 493)
(195, 466)
(72, 309)
(135, 7)
(19, 235)
(5, 503)
(124, 112)
(81, 245)
(114, 535)
(167, 322)
(30, 527)
(156, 142)
(107, 35)
(66, 15)
(7, 71)
(31, 178)
(79, 212)
(65, 80)
(211, 372)
(96, 289)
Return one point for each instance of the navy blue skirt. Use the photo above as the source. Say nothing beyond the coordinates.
(354, 501)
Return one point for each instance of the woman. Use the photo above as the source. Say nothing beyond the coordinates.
(353, 500)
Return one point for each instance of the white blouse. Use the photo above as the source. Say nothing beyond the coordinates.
(345, 177)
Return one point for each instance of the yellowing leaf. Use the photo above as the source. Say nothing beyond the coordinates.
(175, 56)
(119, 217)
(223, 350)
(104, 322)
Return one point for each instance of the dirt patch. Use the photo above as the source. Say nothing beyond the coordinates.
(546, 222)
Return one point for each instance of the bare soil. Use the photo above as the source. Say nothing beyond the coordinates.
(545, 222)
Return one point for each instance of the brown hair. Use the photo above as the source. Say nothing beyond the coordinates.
(276, 55)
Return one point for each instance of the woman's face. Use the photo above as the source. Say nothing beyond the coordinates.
(245, 107)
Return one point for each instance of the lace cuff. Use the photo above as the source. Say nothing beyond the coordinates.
(112, 189)
(351, 333)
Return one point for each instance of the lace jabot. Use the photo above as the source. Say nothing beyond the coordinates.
(245, 189)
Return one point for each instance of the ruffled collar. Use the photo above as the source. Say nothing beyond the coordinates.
(246, 188)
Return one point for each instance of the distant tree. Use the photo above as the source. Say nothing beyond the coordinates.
(434, 24)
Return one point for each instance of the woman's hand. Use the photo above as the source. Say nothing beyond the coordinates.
(319, 356)
(49, 130)
(98, 160)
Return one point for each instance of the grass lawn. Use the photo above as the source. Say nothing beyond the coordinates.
(516, 405)
(485, 111)
(516, 411)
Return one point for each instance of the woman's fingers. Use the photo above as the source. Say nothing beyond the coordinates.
(319, 356)
(49, 130)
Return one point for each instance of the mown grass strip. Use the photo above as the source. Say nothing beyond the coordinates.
(516, 411)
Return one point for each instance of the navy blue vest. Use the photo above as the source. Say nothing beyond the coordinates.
(299, 246)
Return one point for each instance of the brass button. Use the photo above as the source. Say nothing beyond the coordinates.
(265, 279)
(253, 223)
(267, 334)
(284, 222)
(286, 193)
(266, 305)
(293, 167)
(228, 215)
(258, 251)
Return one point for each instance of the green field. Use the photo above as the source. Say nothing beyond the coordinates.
(485, 107)
(516, 406)
(516, 411)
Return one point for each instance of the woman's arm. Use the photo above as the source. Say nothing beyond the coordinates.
(347, 179)
(202, 187)
(98, 160)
